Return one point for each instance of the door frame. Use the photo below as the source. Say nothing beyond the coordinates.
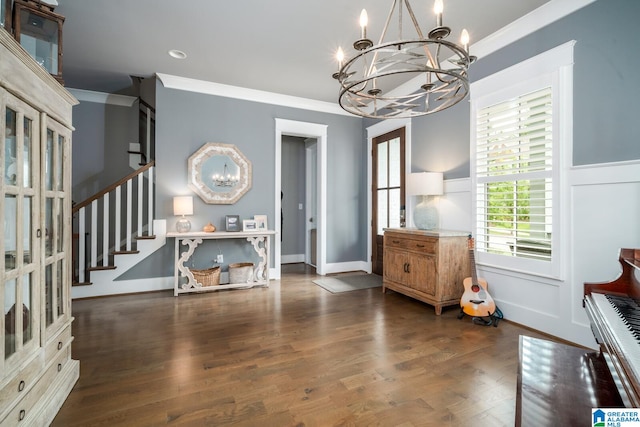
(305, 130)
(374, 131)
(310, 151)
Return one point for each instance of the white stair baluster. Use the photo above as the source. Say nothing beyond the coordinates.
(117, 214)
(150, 203)
(81, 245)
(94, 234)
(139, 204)
(129, 215)
(105, 230)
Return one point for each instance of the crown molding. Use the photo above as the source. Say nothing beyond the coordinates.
(228, 91)
(103, 98)
(535, 20)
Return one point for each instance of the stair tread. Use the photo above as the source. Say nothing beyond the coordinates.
(145, 237)
(81, 283)
(102, 267)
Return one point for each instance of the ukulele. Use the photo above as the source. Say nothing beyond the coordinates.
(476, 301)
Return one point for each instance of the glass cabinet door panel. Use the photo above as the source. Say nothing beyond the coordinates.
(60, 289)
(48, 227)
(10, 321)
(59, 235)
(10, 235)
(48, 288)
(21, 219)
(57, 223)
(59, 164)
(27, 309)
(48, 162)
(27, 230)
(27, 153)
(10, 151)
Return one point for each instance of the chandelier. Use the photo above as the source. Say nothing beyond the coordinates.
(226, 179)
(405, 77)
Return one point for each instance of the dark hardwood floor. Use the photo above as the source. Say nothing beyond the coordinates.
(292, 354)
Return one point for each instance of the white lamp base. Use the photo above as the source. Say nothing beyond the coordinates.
(183, 225)
(425, 214)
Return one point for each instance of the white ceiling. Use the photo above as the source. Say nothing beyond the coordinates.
(281, 46)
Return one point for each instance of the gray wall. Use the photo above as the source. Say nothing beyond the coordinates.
(100, 143)
(187, 120)
(606, 91)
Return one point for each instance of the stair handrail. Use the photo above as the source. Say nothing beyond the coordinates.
(110, 188)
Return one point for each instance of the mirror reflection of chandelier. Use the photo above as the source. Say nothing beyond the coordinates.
(225, 179)
(410, 76)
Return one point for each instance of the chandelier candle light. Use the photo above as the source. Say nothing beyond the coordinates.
(226, 179)
(406, 77)
(425, 184)
(183, 205)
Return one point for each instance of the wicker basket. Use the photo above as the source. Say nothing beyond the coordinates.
(241, 272)
(208, 277)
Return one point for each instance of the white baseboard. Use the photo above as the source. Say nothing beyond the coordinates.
(291, 259)
(118, 287)
(343, 267)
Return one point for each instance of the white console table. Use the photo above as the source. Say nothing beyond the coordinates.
(259, 239)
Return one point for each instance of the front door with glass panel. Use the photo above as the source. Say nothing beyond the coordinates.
(388, 189)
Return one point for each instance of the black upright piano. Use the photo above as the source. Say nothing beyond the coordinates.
(558, 383)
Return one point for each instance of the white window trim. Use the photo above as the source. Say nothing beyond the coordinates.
(552, 68)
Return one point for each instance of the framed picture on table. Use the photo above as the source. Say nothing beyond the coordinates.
(249, 225)
(261, 222)
(232, 223)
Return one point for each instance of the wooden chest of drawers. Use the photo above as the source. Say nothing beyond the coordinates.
(428, 265)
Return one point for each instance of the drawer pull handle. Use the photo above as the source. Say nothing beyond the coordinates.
(21, 385)
(420, 246)
(59, 345)
(396, 241)
(22, 414)
(59, 367)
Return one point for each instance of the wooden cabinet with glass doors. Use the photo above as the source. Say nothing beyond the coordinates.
(36, 369)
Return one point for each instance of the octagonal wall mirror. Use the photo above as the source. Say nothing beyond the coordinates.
(219, 173)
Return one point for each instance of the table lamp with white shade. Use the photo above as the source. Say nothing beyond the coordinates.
(183, 205)
(427, 185)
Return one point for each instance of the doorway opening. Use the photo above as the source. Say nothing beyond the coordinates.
(312, 138)
(298, 198)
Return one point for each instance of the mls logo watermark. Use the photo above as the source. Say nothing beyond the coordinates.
(615, 417)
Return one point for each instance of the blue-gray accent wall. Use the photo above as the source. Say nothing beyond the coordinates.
(606, 120)
(187, 120)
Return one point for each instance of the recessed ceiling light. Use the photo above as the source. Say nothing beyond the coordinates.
(178, 54)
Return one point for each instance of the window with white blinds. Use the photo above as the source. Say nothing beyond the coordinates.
(514, 171)
(521, 134)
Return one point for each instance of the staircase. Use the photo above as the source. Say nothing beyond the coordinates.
(114, 230)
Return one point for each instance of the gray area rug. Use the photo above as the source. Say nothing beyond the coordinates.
(337, 284)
